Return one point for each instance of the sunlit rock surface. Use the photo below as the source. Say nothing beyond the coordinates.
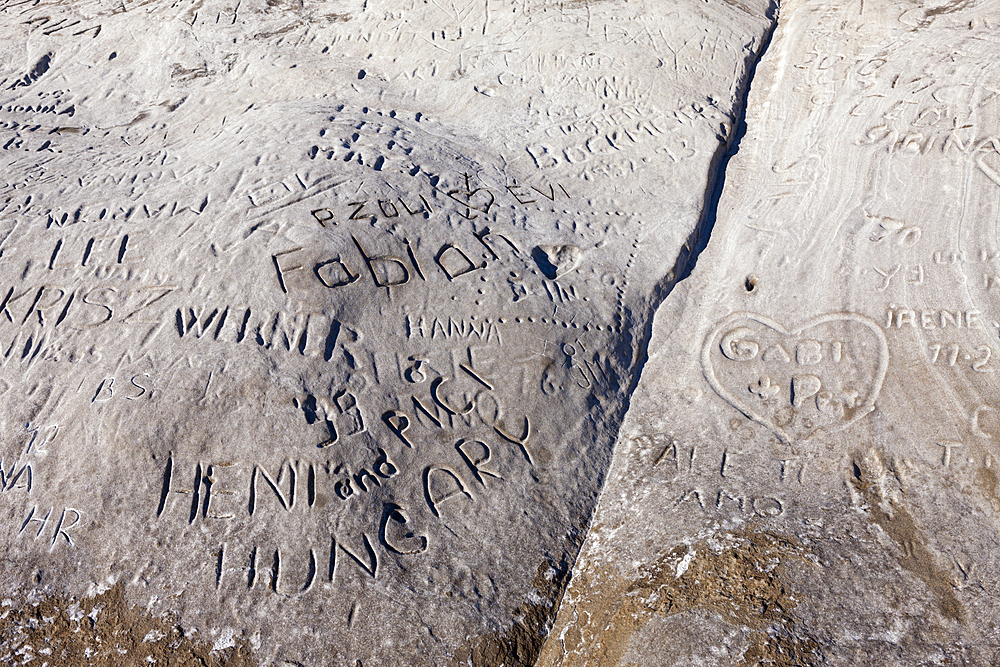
(807, 472)
(319, 321)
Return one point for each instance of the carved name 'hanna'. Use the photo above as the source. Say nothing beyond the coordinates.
(438, 327)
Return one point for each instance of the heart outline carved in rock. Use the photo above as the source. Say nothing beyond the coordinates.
(864, 408)
(467, 200)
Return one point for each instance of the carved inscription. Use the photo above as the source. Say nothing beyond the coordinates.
(955, 355)
(225, 492)
(469, 199)
(398, 262)
(54, 523)
(821, 376)
(924, 318)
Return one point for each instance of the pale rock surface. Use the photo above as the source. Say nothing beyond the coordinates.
(807, 474)
(318, 320)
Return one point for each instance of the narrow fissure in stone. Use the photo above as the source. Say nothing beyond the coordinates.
(698, 240)
(689, 254)
(703, 232)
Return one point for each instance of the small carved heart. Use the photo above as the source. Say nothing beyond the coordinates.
(480, 199)
(557, 260)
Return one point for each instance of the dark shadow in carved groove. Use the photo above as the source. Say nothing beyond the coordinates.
(682, 268)
(547, 267)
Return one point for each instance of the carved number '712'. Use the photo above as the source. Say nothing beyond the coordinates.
(953, 353)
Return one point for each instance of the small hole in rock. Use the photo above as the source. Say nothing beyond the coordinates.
(751, 282)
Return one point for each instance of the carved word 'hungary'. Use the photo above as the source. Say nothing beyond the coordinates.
(821, 376)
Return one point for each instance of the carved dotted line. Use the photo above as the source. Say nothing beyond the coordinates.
(545, 320)
(620, 308)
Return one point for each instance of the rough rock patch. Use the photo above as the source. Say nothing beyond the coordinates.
(105, 630)
(520, 645)
(740, 576)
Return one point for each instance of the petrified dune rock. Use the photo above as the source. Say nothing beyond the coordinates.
(279, 367)
(806, 473)
(364, 333)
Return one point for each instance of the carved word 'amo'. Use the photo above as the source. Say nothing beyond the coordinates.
(725, 501)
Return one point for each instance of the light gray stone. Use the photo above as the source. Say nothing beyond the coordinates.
(807, 472)
(282, 380)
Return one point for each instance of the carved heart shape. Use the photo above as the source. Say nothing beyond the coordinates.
(557, 260)
(479, 199)
(821, 376)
